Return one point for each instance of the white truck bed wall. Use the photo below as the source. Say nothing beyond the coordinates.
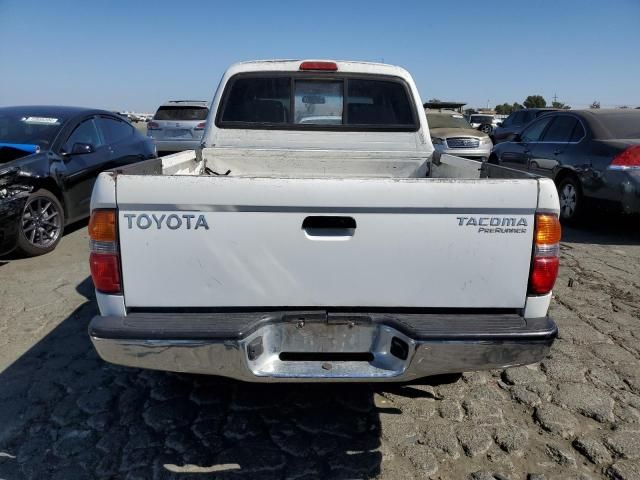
(291, 163)
(182, 163)
(450, 166)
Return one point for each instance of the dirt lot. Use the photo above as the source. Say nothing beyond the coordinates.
(64, 414)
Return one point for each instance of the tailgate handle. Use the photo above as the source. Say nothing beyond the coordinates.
(329, 226)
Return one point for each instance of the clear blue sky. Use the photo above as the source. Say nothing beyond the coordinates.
(135, 54)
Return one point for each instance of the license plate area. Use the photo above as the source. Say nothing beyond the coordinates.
(328, 346)
(178, 133)
(326, 356)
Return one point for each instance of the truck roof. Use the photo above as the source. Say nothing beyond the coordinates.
(349, 66)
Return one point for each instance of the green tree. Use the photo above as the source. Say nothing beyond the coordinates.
(595, 104)
(507, 108)
(535, 101)
(560, 105)
(504, 109)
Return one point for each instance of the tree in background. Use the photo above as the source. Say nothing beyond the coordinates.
(595, 104)
(560, 105)
(504, 109)
(623, 106)
(507, 109)
(535, 101)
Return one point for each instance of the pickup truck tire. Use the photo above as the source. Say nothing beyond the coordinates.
(571, 199)
(41, 225)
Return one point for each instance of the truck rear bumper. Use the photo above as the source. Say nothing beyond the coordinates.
(306, 346)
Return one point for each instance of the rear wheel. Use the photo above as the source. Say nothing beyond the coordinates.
(486, 128)
(571, 201)
(41, 223)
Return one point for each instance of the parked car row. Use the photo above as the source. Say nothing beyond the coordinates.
(592, 155)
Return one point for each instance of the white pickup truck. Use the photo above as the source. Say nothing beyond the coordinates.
(315, 236)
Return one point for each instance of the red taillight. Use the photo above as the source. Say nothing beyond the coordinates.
(628, 159)
(104, 259)
(105, 272)
(323, 66)
(153, 126)
(201, 126)
(544, 272)
(546, 250)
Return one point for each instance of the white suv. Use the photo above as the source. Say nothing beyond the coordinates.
(178, 125)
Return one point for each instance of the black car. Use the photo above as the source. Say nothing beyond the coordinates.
(515, 122)
(49, 160)
(592, 155)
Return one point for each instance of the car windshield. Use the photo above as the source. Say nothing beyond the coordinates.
(481, 119)
(28, 129)
(621, 125)
(181, 113)
(439, 120)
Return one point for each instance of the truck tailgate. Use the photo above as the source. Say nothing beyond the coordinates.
(277, 242)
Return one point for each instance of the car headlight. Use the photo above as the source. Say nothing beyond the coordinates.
(437, 141)
(486, 140)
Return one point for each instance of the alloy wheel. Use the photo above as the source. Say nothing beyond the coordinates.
(568, 200)
(41, 222)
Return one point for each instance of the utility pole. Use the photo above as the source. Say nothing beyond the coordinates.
(555, 97)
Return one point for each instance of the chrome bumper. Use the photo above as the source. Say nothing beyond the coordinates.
(482, 151)
(313, 348)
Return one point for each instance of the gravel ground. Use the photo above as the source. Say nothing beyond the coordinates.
(64, 414)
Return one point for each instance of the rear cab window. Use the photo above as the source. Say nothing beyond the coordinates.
(300, 101)
(181, 113)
